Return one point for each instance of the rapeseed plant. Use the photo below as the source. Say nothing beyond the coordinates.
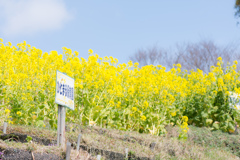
(114, 95)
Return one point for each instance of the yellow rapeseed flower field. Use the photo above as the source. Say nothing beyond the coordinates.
(112, 95)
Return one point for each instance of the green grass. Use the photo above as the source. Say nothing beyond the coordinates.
(215, 139)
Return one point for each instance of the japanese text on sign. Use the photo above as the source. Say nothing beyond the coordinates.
(65, 90)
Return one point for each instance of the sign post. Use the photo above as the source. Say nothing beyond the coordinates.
(61, 126)
(64, 98)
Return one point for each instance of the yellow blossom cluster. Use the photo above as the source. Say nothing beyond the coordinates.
(112, 95)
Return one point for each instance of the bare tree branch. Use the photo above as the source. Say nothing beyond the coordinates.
(201, 55)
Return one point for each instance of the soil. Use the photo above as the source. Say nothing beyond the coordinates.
(17, 154)
(17, 137)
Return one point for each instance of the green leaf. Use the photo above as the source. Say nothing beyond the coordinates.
(215, 125)
(209, 121)
(46, 105)
(231, 126)
(40, 123)
(28, 139)
(204, 115)
(51, 122)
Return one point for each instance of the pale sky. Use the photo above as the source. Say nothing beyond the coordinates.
(116, 28)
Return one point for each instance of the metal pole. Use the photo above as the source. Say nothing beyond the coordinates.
(61, 127)
(62, 131)
(78, 142)
(68, 152)
(4, 127)
(58, 127)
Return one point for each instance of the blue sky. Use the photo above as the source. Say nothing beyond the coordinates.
(116, 28)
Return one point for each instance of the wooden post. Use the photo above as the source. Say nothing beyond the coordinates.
(126, 152)
(152, 145)
(61, 140)
(78, 142)
(68, 152)
(5, 128)
(98, 157)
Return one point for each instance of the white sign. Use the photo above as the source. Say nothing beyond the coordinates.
(64, 90)
(234, 100)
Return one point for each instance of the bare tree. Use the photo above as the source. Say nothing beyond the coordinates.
(237, 7)
(201, 55)
(204, 54)
(152, 56)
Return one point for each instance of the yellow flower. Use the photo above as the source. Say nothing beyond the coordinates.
(178, 70)
(111, 103)
(136, 64)
(130, 90)
(19, 113)
(90, 51)
(235, 62)
(145, 104)
(234, 66)
(134, 109)
(185, 118)
(228, 93)
(118, 104)
(10, 122)
(76, 53)
(173, 114)
(179, 65)
(143, 118)
(7, 111)
(219, 58)
(97, 97)
(184, 124)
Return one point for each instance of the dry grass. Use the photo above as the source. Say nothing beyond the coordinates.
(30, 130)
(36, 148)
(167, 147)
(81, 155)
